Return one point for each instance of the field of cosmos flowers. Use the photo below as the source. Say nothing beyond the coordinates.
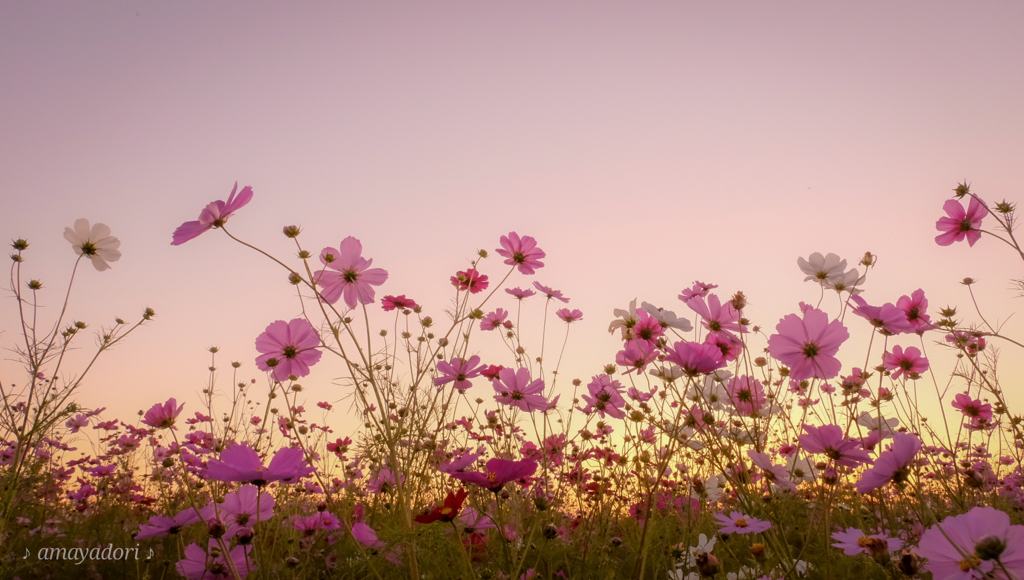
(711, 447)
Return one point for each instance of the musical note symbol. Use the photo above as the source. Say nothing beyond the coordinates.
(26, 554)
(150, 556)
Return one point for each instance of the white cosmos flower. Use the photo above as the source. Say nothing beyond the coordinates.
(888, 426)
(95, 243)
(850, 282)
(666, 318)
(627, 320)
(823, 269)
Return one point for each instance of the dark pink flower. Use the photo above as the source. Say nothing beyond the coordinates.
(569, 316)
(905, 362)
(390, 303)
(459, 371)
(198, 566)
(829, 441)
(347, 273)
(960, 224)
(522, 252)
(727, 342)
(214, 215)
(499, 472)
(737, 523)
(892, 465)
(515, 389)
(973, 409)
(695, 359)
(288, 348)
(240, 463)
(808, 345)
(887, 318)
(916, 308)
(970, 545)
(550, 293)
(470, 280)
(163, 416)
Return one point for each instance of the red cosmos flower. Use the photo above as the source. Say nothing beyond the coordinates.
(470, 280)
(447, 511)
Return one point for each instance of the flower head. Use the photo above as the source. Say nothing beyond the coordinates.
(969, 546)
(240, 463)
(829, 441)
(907, 362)
(809, 344)
(823, 269)
(95, 243)
(515, 389)
(288, 348)
(549, 292)
(163, 416)
(960, 224)
(499, 472)
(737, 523)
(389, 303)
(887, 318)
(494, 319)
(163, 525)
(470, 280)
(569, 316)
(916, 308)
(347, 273)
(521, 252)
(198, 565)
(459, 371)
(519, 293)
(854, 541)
(245, 508)
(892, 465)
(214, 215)
(448, 510)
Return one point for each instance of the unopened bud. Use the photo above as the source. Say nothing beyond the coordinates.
(707, 564)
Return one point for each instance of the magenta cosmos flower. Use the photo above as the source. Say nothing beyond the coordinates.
(960, 224)
(459, 371)
(982, 541)
(214, 215)
(975, 410)
(515, 389)
(494, 319)
(163, 416)
(240, 463)
(198, 566)
(892, 465)
(737, 523)
(347, 273)
(905, 362)
(854, 541)
(916, 308)
(244, 509)
(389, 303)
(605, 397)
(829, 441)
(521, 252)
(887, 318)
(94, 243)
(163, 525)
(569, 316)
(550, 292)
(747, 395)
(289, 348)
(499, 472)
(808, 345)
(470, 280)
(695, 359)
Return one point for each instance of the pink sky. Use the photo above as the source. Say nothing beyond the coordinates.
(644, 146)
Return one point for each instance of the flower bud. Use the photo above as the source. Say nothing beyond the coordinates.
(990, 547)
(758, 552)
(244, 536)
(909, 563)
(291, 231)
(216, 528)
(550, 531)
(19, 244)
(707, 564)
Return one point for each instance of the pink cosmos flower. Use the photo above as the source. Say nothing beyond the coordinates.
(515, 389)
(727, 342)
(550, 293)
(390, 303)
(887, 318)
(966, 341)
(519, 293)
(94, 243)
(829, 441)
(240, 463)
(972, 544)
(973, 409)
(905, 362)
(198, 566)
(459, 371)
(347, 273)
(776, 474)
(636, 354)
(960, 224)
(737, 523)
(569, 316)
(747, 395)
(646, 327)
(605, 397)
(244, 509)
(163, 416)
(522, 252)
(77, 422)
(470, 280)
(916, 308)
(698, 290)
(163, 525)
(695, 359)
(214, 215)
(808, 345)
(493, 319)
(854, 541)
(499, 472)
(715, 315)
(288, 348)
(310, 525)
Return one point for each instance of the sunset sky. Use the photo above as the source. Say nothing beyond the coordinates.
(645, 145)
